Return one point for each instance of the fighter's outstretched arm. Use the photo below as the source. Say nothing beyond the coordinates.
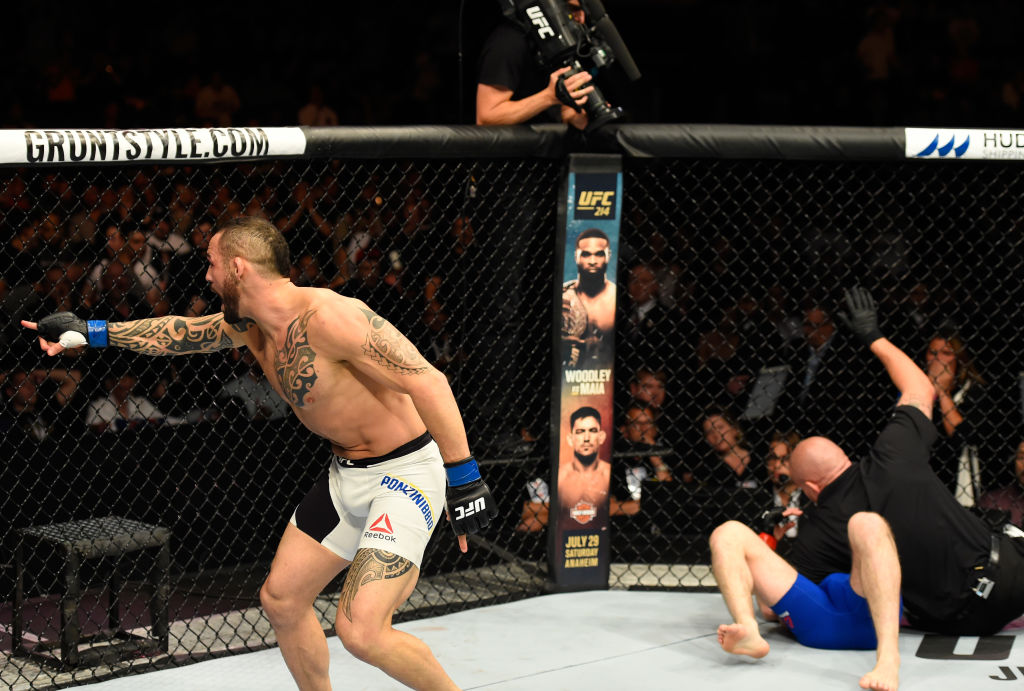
(170, 335)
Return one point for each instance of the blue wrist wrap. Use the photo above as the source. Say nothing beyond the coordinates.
(97, 333)
(462, 472)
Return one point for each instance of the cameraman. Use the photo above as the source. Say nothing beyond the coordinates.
(513, 89)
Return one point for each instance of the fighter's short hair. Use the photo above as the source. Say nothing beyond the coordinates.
(257, 240)
(592, 233)
(585, 411)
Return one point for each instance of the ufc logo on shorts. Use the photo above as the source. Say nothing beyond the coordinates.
(470, 508)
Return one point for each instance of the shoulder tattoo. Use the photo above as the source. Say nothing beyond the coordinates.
(386, 346)
(368, 566)
(296, 364)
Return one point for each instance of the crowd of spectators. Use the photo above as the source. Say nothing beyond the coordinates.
(888, 62)
(715, 368)
(134, 247)
(723, 360)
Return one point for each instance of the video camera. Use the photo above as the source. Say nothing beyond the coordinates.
(560, 41)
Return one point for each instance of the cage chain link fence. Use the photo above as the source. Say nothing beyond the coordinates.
(729, 271)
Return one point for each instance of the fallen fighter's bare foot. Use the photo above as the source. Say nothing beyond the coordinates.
(884, 677)
(739, 639)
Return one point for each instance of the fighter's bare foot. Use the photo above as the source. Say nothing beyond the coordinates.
(884, 677)
(739, 639)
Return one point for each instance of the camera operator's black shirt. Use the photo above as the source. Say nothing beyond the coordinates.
(507, 60)
(938, 540)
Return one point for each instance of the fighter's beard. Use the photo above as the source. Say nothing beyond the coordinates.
(588, 460)
(591, 284)
(229, 304)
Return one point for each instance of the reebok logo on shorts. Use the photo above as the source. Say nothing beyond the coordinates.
(381, 529)
(417, 497)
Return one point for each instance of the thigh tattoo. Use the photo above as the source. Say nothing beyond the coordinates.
(368, 566)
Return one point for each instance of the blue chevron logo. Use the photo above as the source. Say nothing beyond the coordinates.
(934, 147)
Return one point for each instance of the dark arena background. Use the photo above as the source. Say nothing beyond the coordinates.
(130, 546)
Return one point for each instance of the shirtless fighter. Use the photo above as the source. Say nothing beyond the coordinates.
(588, 303)
(395, 432)
(585, 477)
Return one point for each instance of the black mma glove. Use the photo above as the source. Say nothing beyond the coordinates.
(469, 502)
(862, 318)
(766, 524)
(562, 91)
(71, 331)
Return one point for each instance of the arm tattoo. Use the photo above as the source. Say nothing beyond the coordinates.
(296, 365)
(174, 335)
(370, 565)
(386, 346)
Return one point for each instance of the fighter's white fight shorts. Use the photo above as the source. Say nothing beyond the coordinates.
(389, 502)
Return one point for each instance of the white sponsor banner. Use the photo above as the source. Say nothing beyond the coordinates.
(924, 142)
(55, 146)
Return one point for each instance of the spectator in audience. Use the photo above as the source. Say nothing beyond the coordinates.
(459, 256)
(190, 291)
(38, 401)
(182, 208)
(645, 326)
(164, 239)
(434, 340)
(251, 392)
(307, 272)
(786, 494)
(50, 230)
(785, 318)
(362, 224)
(959, 387)
(315, 113)
(15, 204)
(414, 245)
(647, 387)
(299, 221)
(832, 387)
(731, 459)
(534, 514)
(1008, 500)
(20, 260)
(222, 205)
(639, 433)
(918, 314)
(125, 282)
(53, 291)
(376, 283)
(122, 407)
(217, 102)
(729, 356)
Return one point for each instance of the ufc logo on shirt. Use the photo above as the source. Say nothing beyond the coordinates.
(470, 509)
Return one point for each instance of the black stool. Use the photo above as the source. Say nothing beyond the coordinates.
(77, 541)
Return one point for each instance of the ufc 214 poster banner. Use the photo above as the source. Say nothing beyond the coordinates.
(582, 424)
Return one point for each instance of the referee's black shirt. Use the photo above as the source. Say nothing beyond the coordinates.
(938, 540)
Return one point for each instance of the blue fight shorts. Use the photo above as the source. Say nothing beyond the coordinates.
(829, 615)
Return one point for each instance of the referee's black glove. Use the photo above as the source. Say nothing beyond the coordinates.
(862, 315)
